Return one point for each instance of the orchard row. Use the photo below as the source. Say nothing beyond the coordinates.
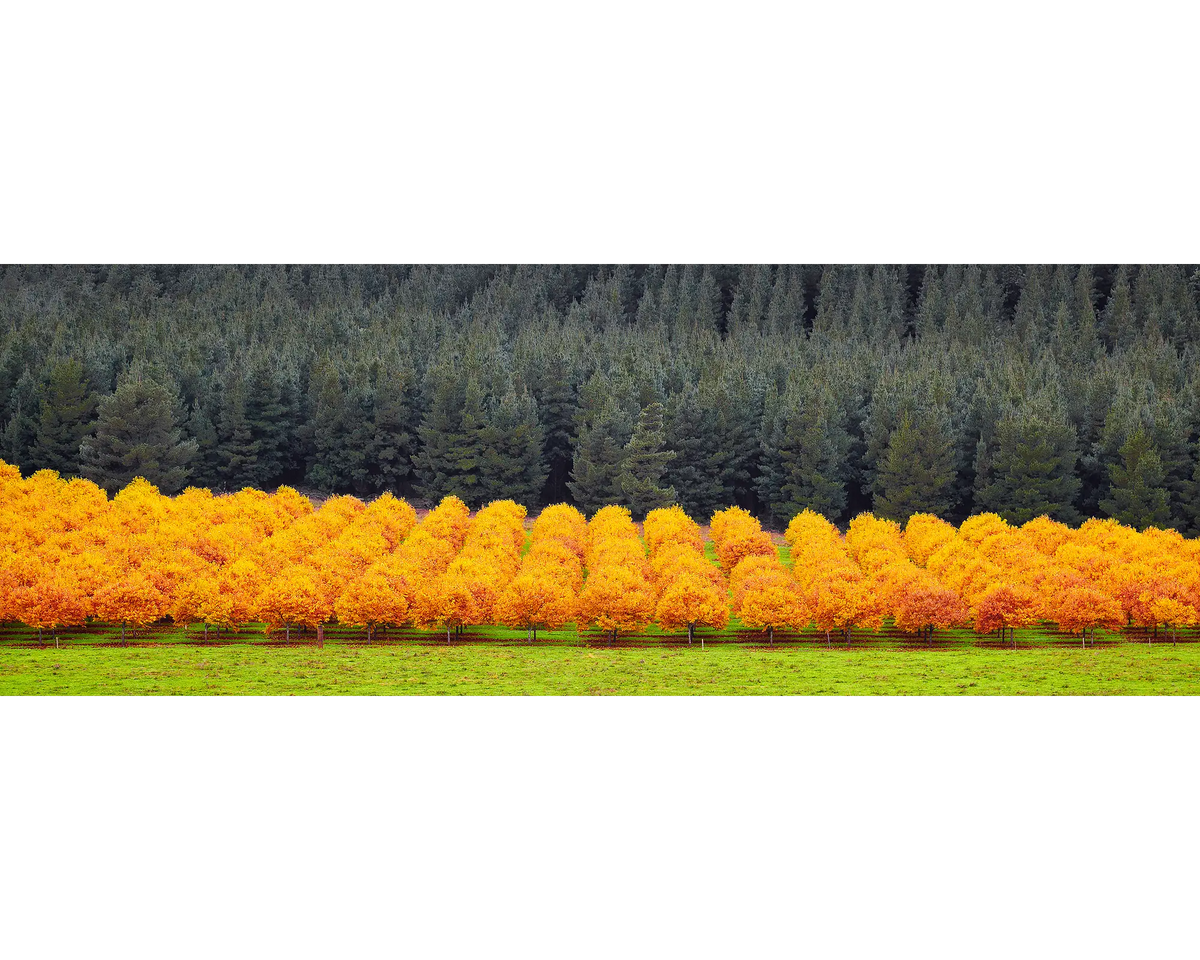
(69, 555)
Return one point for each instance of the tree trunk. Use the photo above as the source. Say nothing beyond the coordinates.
(287, 633)
(447, 634)
(124, 643)
(691, 631)
(55, 639)
(321, 635)
(771, 635)
(828, 642)
(206, 631)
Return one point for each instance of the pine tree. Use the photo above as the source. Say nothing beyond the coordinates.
(20, 432)
(931, 304)
(200, 427)
(392, 439)
(1033, 467)
(917, 472)
(326, 470)
(697, 471)
(137, 434)
(809, 442)
(644, 463)
(555, 395)
(511, 462)
(448, 459)
(599, 454)
(739, 410)
(1120, 327)
(271, 424)
(237, 449)
(358, 430)
(1137, 497)
(68, 406)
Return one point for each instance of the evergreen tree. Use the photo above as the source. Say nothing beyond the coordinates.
(392, 440)
(511, 463)
(931, 304)
(599, 455)
(769, 476)
(1119, 328)
(68, 406)
(917, 472)
(697, 472)
(554, 391)
(200, 427)
(271, 424)
(805, 448)
(1137, 497)
(358, 432)
(137, 434)
(645, 462)
(1034, 309)
(237, 449)
(739, 414)
(1032, 467)
(328, 425)
(20, 432)
(448, 459)
(1191, 507)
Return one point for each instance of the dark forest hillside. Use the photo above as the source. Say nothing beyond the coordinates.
(955, 390)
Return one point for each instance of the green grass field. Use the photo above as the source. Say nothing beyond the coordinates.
(650, 667)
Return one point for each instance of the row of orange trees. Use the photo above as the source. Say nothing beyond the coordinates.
(69, 554)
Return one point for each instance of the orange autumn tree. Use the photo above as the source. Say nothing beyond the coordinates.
(369, 601)
(842, 601)
(1084, 607)
(200, 599)
(130, 599)
(617, 594)
(291, 599)
(615, 598)
(690, 601)
(736, 535)
(1173, 613)
(545, 591)
(839, 595)
(537, 598)
(450, 601)
(691, 591)
(48, 601)
(924, 535)
(1005, 607)
(923, 605)
(770, 602)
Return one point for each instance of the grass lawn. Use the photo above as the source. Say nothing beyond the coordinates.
(650, 668)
